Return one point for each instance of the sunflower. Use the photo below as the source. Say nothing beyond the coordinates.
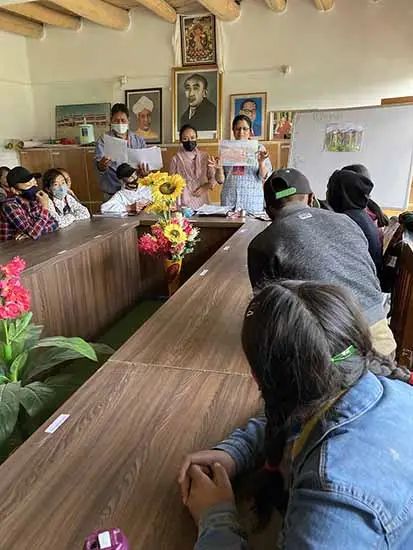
(174, 233)
(168, 187)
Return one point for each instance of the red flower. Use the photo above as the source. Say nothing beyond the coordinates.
(187, 226)
(148, 244)
(14, 268)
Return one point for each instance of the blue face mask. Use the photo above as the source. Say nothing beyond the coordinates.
(60, 192)
(30, 194)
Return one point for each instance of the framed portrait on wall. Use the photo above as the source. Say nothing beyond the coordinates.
(281, 125)
(197, 100)
(255, 107)
(145, 108)
(198, 40)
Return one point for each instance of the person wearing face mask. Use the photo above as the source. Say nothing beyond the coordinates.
(192, 164)
(63, 206)
(109, 182)
(130, 199)
(243, 185)
(26, 214)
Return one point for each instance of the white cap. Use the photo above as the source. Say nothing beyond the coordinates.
(142, 104)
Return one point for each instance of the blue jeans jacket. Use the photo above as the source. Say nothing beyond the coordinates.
(352, 481)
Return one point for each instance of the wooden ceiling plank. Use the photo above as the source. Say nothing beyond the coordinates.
(161, 8)
(98, 11)
(277, 5)
(324, 5)
(19, 25)
(227, 10)
(35, 11)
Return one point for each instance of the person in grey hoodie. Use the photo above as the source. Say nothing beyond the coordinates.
(331, 452)
(319, 245)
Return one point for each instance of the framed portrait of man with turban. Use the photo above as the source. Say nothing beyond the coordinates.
(145, 107)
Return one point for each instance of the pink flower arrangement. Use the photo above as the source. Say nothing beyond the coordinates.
(14, 298)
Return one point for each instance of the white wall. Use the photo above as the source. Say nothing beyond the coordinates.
(354, 55)
(16, 98)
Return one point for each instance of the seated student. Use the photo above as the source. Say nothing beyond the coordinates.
(5, 192)
(316, 244)
(63, 206)
(331, 452)
(26, 214)
(348, 193)
(68, 180)
(131, 198)
(373, 209)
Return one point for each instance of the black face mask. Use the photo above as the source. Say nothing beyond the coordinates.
(30, 194)
(189, 145)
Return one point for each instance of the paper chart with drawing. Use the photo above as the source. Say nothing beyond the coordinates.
(343, 138)
(238, 153)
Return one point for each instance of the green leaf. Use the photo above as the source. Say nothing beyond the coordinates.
(102, 349)
(35, 397)
(41, 361)
(9, 409)
(22, 323)
(17, 366)
(30, 337)
(4, 379)
(76, 344)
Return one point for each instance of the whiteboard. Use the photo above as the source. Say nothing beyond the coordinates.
(386, 149)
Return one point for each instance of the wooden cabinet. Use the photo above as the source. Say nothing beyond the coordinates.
(36, 160)
(73, 160)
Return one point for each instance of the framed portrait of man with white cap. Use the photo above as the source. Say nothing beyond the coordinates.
(145, 108)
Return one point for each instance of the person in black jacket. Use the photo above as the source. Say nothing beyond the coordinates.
(348, 193)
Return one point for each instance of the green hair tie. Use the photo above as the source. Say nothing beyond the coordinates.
(351, 350)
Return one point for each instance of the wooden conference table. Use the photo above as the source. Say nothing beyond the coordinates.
(181, 383)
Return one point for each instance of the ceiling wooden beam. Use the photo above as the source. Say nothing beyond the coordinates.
(227, 10)
(277, 5)
(18, 25)
(97, 11)
(161, 8)
(37, 12)
(324, 5)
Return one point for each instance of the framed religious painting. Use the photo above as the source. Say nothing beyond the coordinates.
(255, 107)
(281, 125)
(197, 100)
(145, 108)
(198, 40)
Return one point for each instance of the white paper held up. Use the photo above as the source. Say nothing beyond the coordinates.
(238, 152)
(151, 156)
(115, 149)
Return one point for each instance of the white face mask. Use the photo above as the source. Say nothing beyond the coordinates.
(120, 129)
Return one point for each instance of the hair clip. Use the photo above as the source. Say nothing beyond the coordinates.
(249, 313)
(351, 350)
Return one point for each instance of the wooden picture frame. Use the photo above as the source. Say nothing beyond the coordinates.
(197, 100)
(254, 105)
(280, 125)
(198, 40)
(145, 109)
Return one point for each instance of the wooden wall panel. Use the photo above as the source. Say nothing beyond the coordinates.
(36, 160)
(73, 160)
(82, 294)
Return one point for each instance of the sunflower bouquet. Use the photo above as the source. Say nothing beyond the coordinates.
(173, 236)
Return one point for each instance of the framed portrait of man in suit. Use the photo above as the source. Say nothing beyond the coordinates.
(254, 106)
(197, 100)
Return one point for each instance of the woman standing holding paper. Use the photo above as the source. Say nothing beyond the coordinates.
(242, 186)
(109, 182)
(192, 164)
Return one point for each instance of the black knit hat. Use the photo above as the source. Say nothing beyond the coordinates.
(125, 170)
(348, 190)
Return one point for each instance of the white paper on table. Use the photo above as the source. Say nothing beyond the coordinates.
(151, 156)
(115, 149)
(238, 152)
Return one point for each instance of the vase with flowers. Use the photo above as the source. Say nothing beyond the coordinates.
(173, 236)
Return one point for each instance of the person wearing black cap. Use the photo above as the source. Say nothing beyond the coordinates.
(348, 193)
(26, 213)
(314, 244)
(130, 199)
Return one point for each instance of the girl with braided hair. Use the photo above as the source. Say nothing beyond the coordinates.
(333, 454)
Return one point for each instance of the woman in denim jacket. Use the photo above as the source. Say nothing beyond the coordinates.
(333, 449)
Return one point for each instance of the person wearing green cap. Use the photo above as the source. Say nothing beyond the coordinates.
(314, 244)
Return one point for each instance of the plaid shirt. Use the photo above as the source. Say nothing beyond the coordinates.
(18, 217)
